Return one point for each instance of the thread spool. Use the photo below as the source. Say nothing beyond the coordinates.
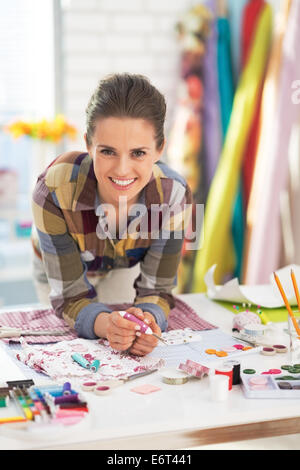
(236, 374)
(95, 365)
(228, 371)
(67, 388)
(81, 360)
(174, 377)
(219, 387)
(254, 330)
(66, 399)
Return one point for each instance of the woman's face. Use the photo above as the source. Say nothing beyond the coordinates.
(123, 152)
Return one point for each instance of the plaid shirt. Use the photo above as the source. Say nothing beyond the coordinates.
(73, 243)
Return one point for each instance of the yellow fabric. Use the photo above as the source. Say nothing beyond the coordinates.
(218, 211)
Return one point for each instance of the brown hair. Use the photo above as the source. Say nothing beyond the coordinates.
(127, 95)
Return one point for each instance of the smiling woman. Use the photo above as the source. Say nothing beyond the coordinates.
(127, 166)
(119, 182)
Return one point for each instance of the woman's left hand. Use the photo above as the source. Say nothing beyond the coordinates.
(144, 344)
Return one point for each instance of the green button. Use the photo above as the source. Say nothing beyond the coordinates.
(285, 367)
(294, 370)
(249, 371)
(285, 377)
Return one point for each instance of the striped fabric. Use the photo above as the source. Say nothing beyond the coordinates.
(74, 244)
(37, 319)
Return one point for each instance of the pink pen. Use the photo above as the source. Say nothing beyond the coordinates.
(144, 327)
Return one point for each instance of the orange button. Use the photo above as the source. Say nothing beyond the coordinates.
(210, 351)
(221, 354)
(246, 348)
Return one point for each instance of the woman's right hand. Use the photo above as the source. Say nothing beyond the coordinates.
(121, 333)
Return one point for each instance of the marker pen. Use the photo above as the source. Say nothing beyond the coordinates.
(144, 327)
(23, 393)
(81, 360)
(24, 410)
(54, 391)
(40, 405)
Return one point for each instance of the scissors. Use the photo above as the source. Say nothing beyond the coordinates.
(9, 332)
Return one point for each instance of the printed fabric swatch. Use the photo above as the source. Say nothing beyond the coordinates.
(55, 360)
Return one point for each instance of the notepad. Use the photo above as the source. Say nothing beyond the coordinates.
(195, 351)
(263, 295)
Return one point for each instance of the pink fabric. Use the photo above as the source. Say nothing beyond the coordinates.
(36, 320)
(181, 316)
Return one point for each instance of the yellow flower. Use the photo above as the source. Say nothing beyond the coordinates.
(53, 130)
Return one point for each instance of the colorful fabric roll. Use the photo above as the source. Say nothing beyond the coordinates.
(212, 135)
(235, 12)
(186, 152)
(226, 89)
(251, 14)
(250, 17)
(279, 114)
(268, 108)
(217, 219)
(226, 86)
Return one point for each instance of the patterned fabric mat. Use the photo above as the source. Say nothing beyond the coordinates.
(181, 316)
(55, 360)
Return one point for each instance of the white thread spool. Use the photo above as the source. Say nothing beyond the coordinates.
(219, 387)
(254, 330)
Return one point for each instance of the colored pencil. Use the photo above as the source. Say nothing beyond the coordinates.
(296, 288)
(13, 419)
(284, 297)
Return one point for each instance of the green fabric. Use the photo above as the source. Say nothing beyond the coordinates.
(275, 315)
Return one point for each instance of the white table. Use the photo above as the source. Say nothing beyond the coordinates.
(176, 417)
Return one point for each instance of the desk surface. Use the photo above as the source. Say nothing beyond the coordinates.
(176, 417)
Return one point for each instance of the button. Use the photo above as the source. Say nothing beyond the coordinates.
(285, 377)
(284, 385)
(268, 351)
(249, 371)
(274, 371)
(221, 354)
(210, 351)
(280, 348)
(258, 380)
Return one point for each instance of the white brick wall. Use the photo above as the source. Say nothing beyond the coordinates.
(106, 36)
